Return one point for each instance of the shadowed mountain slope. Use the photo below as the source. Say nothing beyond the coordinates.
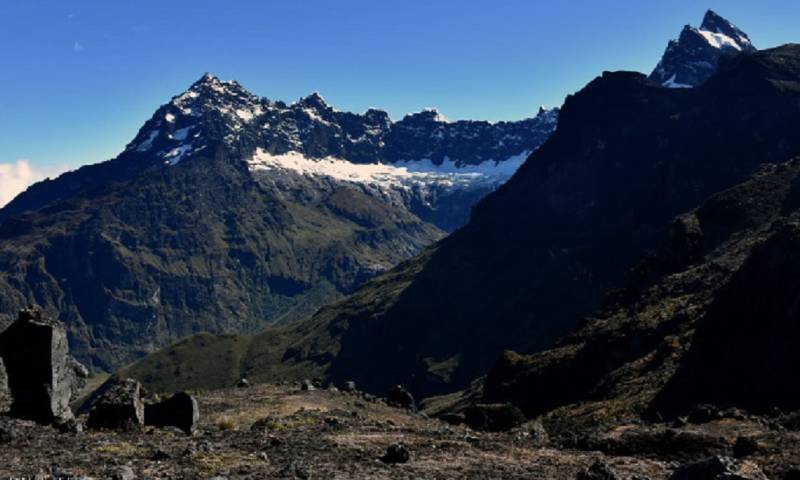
(708, 317)
(539, 253)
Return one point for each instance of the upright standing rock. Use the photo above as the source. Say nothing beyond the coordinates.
(5, 394)
(42, 376)
(180, 410)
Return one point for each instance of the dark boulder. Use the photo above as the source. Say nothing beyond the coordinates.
(401, 398)
(159, 455)
(307, 386)
(349, 386)
(719, 468)
(396, 453)
(452, 418)
(745, 446)
(704, 413)
(495, 417)
(180, 410)
(42, 376)
(243, 383)
(538, 434)
(119, 407)
(7, 434)
(599, 470)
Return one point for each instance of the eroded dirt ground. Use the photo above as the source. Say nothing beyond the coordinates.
(277, 431)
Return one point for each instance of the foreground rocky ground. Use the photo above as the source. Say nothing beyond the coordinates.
(281, 431)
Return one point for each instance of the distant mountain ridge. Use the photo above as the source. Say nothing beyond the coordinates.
(442, 167)
(692, 58)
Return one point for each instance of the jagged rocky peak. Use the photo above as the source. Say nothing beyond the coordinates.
(713, 22)
(211, 110)
(375, 116)
(315, 101)
(691, 59)
(427, 115)
(211, 92)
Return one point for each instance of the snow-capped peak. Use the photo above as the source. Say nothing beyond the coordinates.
(714, 23)
(692, 58)
(187, 124)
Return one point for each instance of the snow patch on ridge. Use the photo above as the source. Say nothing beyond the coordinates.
(671, 83)
(148, 142)
(399, 175)
(719, 40)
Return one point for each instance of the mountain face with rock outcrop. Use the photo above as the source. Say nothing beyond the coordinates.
(228, 212)
(692, 58)
(540, 253)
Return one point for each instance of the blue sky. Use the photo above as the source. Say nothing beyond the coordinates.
(78, 78)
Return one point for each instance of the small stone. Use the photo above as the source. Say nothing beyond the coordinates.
(205, 446)
(599, 470)
(538, 434)
(396, 453)
(297, 470)
(719, 468)
(333, 423)
(680, 422)
(263, 456)
(70, 425)
(243, 383)
(159, 455)
(123, 473)
(307, 386)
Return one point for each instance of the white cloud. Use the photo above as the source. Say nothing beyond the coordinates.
(15, 177)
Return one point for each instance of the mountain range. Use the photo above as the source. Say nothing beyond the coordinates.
(608, 290)
(228, 212)
(546, 251)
